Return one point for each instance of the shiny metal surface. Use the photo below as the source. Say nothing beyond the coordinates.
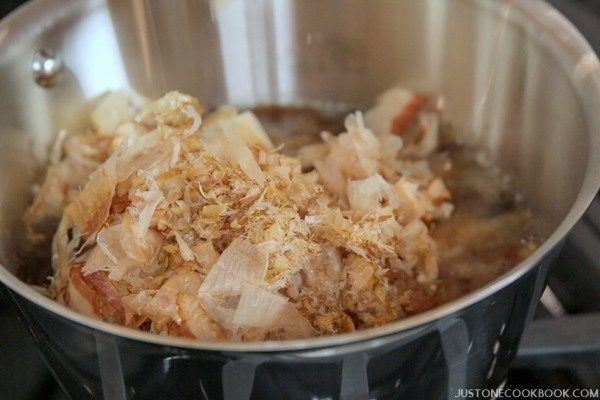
(470, 348)
(46, 66)
(516, 77)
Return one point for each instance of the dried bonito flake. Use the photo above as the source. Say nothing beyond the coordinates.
(114, 109)
(408, 115)
(90, 207)
(240, 263)
(193, 224)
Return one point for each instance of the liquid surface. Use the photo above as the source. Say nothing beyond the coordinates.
(490, 230)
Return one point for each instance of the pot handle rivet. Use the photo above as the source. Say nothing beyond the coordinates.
(46, 66)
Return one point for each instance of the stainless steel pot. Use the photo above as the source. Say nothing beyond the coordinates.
(517, 79)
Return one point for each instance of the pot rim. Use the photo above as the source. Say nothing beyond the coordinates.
(34, 16)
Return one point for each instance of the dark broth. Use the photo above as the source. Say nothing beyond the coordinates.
(490, 230)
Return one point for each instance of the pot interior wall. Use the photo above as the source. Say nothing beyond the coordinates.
(505, 86)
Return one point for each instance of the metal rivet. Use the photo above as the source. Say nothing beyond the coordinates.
(46, 66)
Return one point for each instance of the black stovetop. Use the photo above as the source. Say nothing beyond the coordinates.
(561, 348)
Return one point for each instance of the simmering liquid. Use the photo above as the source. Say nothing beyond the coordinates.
(490, 230)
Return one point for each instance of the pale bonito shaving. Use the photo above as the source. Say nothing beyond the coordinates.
(193, 224)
